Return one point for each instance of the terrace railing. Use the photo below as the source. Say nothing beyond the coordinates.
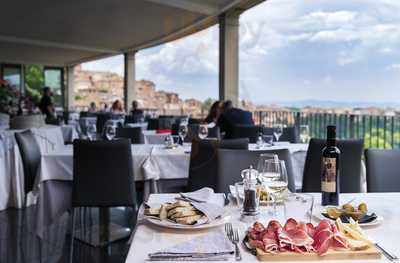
(378, 131)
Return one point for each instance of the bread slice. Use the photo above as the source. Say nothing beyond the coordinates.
(180, 209)
(163, 211)
(179, 204)
(188, 220)
(184, 214)
(152, 211)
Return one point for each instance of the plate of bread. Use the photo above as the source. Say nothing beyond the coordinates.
(181, 215)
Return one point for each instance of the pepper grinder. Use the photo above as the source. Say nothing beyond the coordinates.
(251, 201)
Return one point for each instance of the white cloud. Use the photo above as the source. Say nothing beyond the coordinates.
(395, 67)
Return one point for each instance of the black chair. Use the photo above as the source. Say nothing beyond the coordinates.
(214, 133)
(134, 118)
(203, 161)
(152, 124)
(289, 134)
(101, 121)
(246, 131)
(350, 165)
(134, 134)
(30, 154)
(232, 162)
(103, 176)
(382, 170)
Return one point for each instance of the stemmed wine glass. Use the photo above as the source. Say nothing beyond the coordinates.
(91, 131)
(278, 130)
(111, 131)
(262, 160)
(275, 177)
(203, 131)
(183, 130)
(304, 133)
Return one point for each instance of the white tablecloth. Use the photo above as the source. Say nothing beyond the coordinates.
(151, 137)
(48, 137)
(149, 239)
(172, 163)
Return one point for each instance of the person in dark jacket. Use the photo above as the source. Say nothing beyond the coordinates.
(232, 116)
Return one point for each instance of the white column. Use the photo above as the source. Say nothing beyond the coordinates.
(70, 88)
(229, 57)
(129, 79)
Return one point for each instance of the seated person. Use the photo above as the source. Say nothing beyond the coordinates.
(231, 116)
(135, 109)
(117, 108)
(214, 113)
(92, 107)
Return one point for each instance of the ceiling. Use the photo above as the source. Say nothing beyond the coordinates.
(68, 32)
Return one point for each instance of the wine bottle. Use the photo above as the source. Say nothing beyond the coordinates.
(330, 184)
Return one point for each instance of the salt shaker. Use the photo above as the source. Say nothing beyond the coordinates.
(251, 201)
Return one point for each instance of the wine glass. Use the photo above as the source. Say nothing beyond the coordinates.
(91, 131)
(203, 131)
(268, 140)
(304, 133)
(111, 131)
(183, 130)
(261, 165)
(276, 177)
(278, 130)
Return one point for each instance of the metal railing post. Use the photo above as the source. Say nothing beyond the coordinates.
(352, 130)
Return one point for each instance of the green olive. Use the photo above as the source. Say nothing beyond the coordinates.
(363, 208)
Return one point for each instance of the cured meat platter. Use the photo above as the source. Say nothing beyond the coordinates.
(300, 241)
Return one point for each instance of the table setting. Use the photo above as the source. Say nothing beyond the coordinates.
(289, 227)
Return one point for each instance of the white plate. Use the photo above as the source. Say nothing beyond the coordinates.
(317, 213)
(167, 224)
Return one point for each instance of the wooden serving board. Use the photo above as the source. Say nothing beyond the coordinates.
(370, 253)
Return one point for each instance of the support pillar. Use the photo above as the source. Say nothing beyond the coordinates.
(229, 57)
(129, 79)
(70, 88)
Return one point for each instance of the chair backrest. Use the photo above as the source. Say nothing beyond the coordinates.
(152, 124)
(350, 165)
(30, 154)
(27, 122)
(103, 174)
(246, 131)
(134, 118)
(289, 134)
(232, 162)
(134, 134)
(382, 170)
(101, 121)
(214, 132)
(203, 161)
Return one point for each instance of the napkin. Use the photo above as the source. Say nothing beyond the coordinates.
(212, 246)
(151, 171)
(201, 200)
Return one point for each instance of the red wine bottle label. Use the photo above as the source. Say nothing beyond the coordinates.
(328, 182)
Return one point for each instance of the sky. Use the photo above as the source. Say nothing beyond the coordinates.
(290, 50)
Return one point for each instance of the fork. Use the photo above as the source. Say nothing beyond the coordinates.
(234, 238)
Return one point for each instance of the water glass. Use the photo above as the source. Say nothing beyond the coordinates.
(268, 140)
(111, 131)
(183, 130)
(91, 132)
(299, 206)
(304, 133)
(203, 131)
(278, 131)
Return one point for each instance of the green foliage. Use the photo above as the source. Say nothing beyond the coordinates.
(376, 138)
(77, 97)
(34, 80)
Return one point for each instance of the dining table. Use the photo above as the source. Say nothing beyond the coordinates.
(148, 238)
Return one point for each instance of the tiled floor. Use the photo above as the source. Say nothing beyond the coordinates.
(19, 244)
